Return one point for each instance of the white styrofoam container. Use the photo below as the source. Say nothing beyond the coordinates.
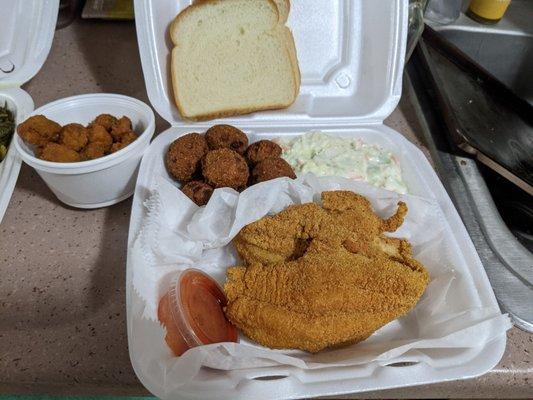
(351, 56)
(26, 33)
(103, 181)
(243, 384)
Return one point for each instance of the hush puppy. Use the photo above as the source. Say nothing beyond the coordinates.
(94, 150)
(128, 137)
(39, 130)
(125, 140)
(59, 153)
(226, 136)
(74, 136)
(184, 155)
(225, 168)
(262, 150)
(98, 134)
(272, 168)
(105, 120)
(121, 127)
(198, 191)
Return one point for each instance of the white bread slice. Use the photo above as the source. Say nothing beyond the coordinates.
(232, 57)
(284, 7)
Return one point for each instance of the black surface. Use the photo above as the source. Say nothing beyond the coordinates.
(514, 205)
(481, 113)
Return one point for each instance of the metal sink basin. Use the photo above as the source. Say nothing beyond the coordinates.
(505, 49)
(505, 247)
(507, 261)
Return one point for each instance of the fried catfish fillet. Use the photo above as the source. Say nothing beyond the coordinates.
(285, 236)
(317, 277)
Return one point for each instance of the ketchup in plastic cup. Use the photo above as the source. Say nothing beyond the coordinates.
(192, 312)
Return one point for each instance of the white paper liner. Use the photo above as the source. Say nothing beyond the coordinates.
(177, 234)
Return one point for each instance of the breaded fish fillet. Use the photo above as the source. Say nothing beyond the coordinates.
(317, 276)
(286, 235)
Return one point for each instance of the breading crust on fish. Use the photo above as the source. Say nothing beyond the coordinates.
(315, 277)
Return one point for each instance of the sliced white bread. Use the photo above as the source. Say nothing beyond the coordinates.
(284, 7)
(233, 57)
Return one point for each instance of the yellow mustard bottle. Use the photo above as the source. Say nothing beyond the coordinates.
(487, 11)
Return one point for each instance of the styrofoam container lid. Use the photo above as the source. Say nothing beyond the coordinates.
(26, 33)
(350, 53)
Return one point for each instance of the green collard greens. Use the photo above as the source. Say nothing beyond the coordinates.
(7, 127)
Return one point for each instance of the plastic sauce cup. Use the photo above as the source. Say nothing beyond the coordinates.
(192, 313)
(103, 181)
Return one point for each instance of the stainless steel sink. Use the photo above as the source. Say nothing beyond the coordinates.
(509, 265)
(505, 49)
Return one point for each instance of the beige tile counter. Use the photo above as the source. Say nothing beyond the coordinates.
(62, 291)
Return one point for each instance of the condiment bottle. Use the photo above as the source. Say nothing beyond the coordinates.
(487, 11)
(192, 312)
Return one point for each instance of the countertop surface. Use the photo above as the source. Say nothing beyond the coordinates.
(62, 292)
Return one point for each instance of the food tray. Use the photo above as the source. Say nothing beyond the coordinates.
(421, 180)
(351, 57)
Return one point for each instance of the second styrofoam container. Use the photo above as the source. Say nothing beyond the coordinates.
(26, 34)
(103, 181)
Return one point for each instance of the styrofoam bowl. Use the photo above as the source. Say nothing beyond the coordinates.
(103, 181)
